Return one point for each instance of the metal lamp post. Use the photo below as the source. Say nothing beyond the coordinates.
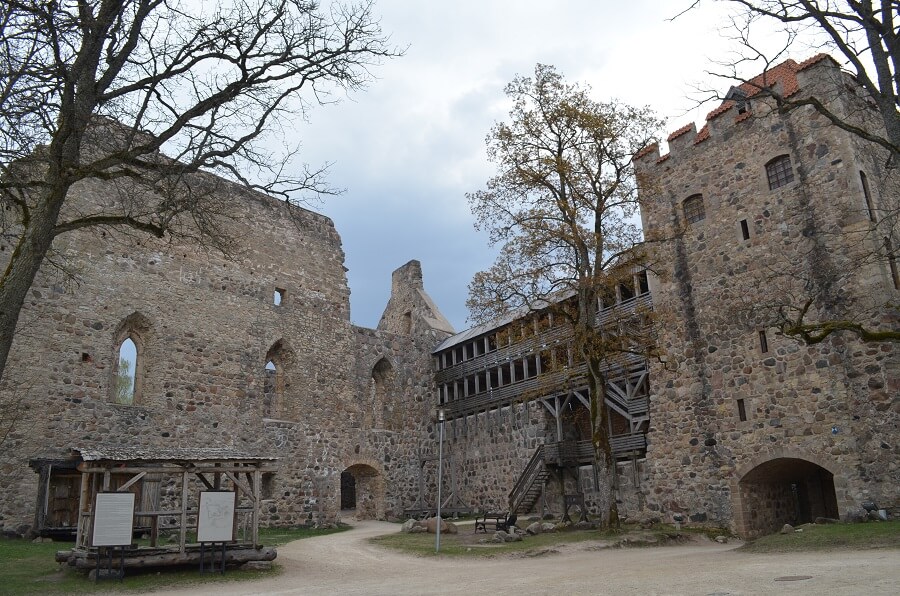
(437, 540)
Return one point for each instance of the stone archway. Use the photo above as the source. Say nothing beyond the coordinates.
(362, 489)
(783, 490)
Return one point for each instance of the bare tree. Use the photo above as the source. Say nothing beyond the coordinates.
(93, 91)
(562, 206)
(864, 36)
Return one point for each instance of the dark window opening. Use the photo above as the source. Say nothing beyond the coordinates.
(470, 351)
(742, 412)
(492, 342)
(505, 377)
(544, 362)
(693, 208)
(470, 386)
(763, 342)
(519, 370)
(892, 262)
(481, 382)
(869, 205)
(279, 296)
(643, 282)
(531, 366)
(458, 355)
(779, 172)
(494, 376)
(479, 346)
(407, 323)
(607, 297)
(745, 230)
(626, 291)
(268, 485)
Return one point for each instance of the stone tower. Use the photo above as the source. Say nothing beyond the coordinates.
(749, 428)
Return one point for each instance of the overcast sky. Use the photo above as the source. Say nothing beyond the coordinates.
(411, 146)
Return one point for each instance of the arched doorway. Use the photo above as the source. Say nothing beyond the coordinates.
(782, 491)
(362, 489)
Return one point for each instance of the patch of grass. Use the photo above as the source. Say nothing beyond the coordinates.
(830, 536)
(29, 568)
(466, 543)
(279, 536)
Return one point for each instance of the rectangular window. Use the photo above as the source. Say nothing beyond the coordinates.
(279, 296)
(745, 230)
(742, 411)
(869, 205)
(892, 262)
(763, 342)
(643, 282)
(779, 172)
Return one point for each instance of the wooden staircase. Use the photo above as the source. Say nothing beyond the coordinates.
(530, 483)
(568, 454)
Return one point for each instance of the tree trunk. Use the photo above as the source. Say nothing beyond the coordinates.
(600, 438)
(24, 264)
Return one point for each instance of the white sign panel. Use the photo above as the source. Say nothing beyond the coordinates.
(113, 519)
(215, 522)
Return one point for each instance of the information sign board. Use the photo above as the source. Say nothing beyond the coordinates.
(215, 522)
(113, 519)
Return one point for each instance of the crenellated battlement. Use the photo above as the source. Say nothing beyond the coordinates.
(755, 97)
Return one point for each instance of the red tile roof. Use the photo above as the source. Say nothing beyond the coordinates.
(784, 74)
(702, 135)
(680, 131)
(646, 150)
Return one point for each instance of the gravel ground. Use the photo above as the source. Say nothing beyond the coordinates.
(346, 564)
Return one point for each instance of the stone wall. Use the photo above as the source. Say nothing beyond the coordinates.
(490, 450)
(833, 403)
(339, 398)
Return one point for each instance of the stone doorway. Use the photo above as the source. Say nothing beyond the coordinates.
(784, 491)
(362, 490)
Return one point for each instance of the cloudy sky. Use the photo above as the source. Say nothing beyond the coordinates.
(409, 148)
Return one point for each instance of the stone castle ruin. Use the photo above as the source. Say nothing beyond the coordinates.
(741, 428)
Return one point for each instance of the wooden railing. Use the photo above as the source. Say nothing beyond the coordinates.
(546, 385)
(535, 471)
(542, 341)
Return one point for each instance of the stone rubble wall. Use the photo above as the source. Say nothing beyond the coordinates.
(206, 324)
(833, 403)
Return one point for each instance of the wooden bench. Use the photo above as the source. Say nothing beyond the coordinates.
(500, 520)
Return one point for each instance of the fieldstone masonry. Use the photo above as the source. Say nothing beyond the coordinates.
(740, 432)
(742, 418)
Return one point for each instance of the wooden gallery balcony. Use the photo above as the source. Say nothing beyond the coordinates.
(531, 357)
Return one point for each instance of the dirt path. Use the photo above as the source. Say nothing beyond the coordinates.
(345, 563)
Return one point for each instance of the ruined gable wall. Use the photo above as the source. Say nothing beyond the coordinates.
(794, 395)
(209, 323)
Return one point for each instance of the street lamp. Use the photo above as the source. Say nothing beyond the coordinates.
(437, 540)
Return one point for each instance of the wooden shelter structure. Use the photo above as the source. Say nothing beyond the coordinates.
(168, 483)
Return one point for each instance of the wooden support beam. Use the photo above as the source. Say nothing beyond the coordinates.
(257, 489)
(241, 485)
(205, 482)
(131, 482)
(95, 469)
(83, 506)
(182, 538)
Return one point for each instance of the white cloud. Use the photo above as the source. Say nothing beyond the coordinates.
(410, 146)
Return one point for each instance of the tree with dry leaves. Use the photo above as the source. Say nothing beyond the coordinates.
(96, 91)
(562, 208)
